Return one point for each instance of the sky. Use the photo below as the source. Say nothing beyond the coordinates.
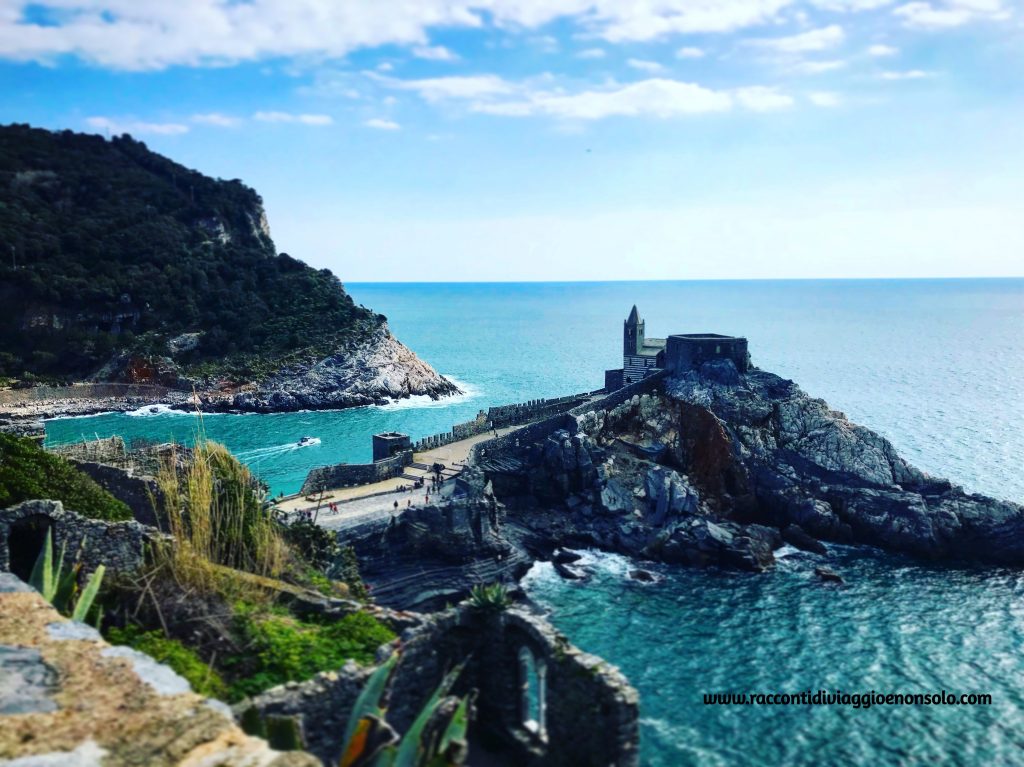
(490, 140)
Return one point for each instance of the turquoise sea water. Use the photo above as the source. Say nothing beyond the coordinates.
(937, 366)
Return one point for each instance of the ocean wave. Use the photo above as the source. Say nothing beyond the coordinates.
(159, 408)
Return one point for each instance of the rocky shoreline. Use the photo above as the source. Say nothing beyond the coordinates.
(376, 371)
(708, 468)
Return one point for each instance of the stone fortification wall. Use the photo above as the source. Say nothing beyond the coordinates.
(349, 474)
(500, 416)
(500, 447)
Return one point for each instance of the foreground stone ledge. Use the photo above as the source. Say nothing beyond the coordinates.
(72, 699)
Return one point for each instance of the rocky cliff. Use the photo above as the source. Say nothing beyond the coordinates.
(124, 266)
(715, 467)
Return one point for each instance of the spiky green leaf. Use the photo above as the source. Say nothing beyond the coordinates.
(85, 601)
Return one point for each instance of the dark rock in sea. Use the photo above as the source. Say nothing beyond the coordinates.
(828, 575)
(565, 557)
(796, 536)
(644, 576)
(567, 573)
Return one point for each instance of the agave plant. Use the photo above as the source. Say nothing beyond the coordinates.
(59, 587)
(493, 598)
(372, 742)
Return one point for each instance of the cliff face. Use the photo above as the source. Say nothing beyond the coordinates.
(126, 266)
(721, 468)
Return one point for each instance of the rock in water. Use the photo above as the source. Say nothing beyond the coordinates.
(828, 575)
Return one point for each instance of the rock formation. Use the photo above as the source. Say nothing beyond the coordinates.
(717, 467)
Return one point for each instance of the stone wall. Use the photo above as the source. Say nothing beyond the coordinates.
(501, 447)
(350, 474)
(500, 416)
(140, 492)
(79, 701)
(80, 391)
(689, 351)
(585, 713)
(121, 546)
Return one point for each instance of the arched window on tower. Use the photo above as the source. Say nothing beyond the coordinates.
(533, 693)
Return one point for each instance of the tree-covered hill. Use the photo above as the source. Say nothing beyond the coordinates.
(110, 251)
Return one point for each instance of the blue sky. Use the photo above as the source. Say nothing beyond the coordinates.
(567, 139)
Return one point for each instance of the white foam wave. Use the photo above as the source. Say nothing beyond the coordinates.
(148, 411)
(785, 550)
(469, 392)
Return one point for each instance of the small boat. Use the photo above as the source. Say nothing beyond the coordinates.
(307, 441)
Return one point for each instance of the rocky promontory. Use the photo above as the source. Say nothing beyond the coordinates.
(714, 467)
(372, 371)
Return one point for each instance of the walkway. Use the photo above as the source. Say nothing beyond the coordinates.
(365, 502)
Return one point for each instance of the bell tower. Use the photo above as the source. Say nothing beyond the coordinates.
(632, 333)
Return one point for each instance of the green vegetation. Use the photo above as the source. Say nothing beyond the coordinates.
(278, 647)
(371, 741)
(28, 472)
(108, 247)
(183, 660)
(216, 512)
(493, 598)
(59, 587)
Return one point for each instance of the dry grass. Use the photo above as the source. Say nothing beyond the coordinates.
(215, 512)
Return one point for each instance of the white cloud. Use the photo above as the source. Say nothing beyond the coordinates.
(805, 42)
(818, 67)
(382, 124)
(825, 99)
(850, 6)
(655, 97)
(760, 98)
(910, 74)
(155, 34)
(951, 13)
(434, 53)
(289, 117)
(456, 87)
(135, 127)
(882, 50)
(645, 66)
(689, 52)
(592, 53)
(385, 66)
(217, 119)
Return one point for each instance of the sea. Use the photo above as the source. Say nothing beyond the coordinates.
(937, 366)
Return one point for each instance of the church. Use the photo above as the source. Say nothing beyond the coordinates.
(643, 356)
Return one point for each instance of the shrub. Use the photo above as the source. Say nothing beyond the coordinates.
(60, 587)
(28, 472)
(215, 511)
(493, 598)
(183, 660)
(278, 647)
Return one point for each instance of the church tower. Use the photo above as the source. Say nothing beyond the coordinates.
(633, 334)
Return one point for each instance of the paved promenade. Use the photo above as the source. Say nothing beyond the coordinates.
(365, 502)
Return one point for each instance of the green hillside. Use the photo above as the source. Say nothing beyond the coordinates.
(108, 249)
